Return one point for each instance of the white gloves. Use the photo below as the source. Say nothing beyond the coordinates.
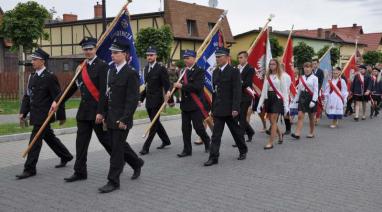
(312, 104)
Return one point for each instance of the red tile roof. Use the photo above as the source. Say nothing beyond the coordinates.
(373, 40)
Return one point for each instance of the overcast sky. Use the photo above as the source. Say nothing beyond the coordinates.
(245, 15)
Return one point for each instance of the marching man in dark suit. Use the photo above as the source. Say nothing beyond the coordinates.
(192, 105)
(92, 86)
(122, 101)
(226, 106)
(246, 73)
(43, 87)
(157, 82)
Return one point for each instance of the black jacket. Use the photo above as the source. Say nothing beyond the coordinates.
(320, 75)
(246, 81)
(89, 107)
(375, 87)
(157, 81)
(356, 87)
(195, 78)
(227, 91)
(41, 92)
(123, 97)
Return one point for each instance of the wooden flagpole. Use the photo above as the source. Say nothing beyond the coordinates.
(199, 53)
(78, 71)
(261, 32)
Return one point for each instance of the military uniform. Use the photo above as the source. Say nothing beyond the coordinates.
(157, 81)
(226, 99)
(43, 87)
(122, 101)
(193, 106)
(91, 105)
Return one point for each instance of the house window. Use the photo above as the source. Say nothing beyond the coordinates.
(191, 28)
(210, 26)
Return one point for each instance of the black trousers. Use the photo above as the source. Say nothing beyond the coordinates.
(217, 132)
(119, 150)
(196, 118)
(53, 142)
(243, 118)
(157, 128)
(84, 135)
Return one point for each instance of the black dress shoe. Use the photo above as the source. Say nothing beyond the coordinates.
(75, 177)
(249, 138)
(25, 174)
(242, 156)
(137, 171)
(295, 136)
(109, 187)
(184, 154)
(198, 142)
(63, 163)
(163, 146)
(234, 145)
(287, 132)
(211, 162)
(268, 132)
(356, 119)
(144, 152)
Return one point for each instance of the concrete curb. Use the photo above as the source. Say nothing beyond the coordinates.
(71, 130)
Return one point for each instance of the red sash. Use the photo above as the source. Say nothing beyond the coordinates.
(89, 84)
(196, 98)
(275, 89)
(336, 90)
(306, 86)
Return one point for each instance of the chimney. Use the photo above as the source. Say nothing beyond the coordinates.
(319, 32)
(69, 17)
(334, 26)
(354, 25)
(98, 10)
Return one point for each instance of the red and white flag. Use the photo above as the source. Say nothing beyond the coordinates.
(259, 57)
(288, 64)
(350, 69)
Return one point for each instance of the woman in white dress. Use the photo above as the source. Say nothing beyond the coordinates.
(336, 94)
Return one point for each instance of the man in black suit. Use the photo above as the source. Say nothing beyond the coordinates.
(321, 76)
(192, 104)
(226, 106)
(246, 72)
(157, 82)
(92, 85)
(122, 101)
(43, 87)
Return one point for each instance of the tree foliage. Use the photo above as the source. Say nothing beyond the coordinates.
(302, 53)
(24, 24)
(372, 57)
(334, 54)
(276, 49)
(161, 39)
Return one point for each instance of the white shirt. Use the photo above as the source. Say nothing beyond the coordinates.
(241, 68)
(152, 65)
(119, 67)
(280, 85)
(40, 71)
(223, 67)
(90, 62)
(312, 83)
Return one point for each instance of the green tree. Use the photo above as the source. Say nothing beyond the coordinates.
(25, 24)
(372, 57)
(302, 53)
(334, 54)
(276, 49)
(161, 39)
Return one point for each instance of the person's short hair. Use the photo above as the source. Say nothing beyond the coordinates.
(307, 65)
(243, 52)
(337, 68)
(316, 60)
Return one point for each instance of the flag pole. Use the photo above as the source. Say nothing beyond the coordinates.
(78, 71)
(289, 37)
(261, 32)
(199, 53)
(354, 55)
